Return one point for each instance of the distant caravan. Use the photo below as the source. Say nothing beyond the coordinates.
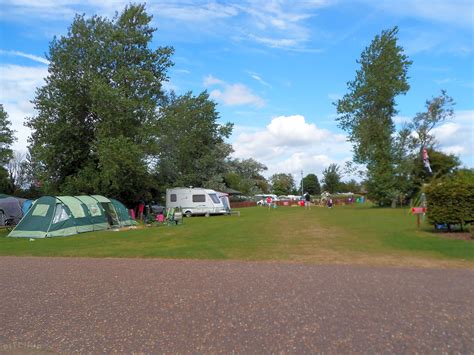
(195, 201)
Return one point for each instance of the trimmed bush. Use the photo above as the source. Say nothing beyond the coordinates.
(451, 199)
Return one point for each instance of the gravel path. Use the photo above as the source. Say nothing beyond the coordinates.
(174, 306)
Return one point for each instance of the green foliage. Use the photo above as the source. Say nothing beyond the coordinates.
(331, 178)
(5, 182)
(441, 165)
(451, 199)
(366, 112)
(246, 176)
(438, 110)
(311, 184)
(103, 88)
(6, 137)
(410, 172)
(191, 147)
(282, 184)
(350, 186)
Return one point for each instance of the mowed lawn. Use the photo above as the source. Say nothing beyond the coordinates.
(343, 235)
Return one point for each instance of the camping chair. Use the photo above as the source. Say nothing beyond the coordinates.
(169, 219)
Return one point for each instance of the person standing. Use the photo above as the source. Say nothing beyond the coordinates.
(307, 200)
(269, 202)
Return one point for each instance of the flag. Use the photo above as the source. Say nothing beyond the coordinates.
(426, 160)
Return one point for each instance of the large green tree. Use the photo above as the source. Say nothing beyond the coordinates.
(6, 137)
(95, 113)
(366, 112)
(332, 178)
(311, 184)
(6, 140)
(191, 143)
(282, 184)
(410, 172)
(246, 176)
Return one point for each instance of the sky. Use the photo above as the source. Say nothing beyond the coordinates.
(274, 68)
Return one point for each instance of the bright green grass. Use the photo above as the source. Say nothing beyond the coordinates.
(342, 235)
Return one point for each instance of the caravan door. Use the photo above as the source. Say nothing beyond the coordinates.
(200, 205)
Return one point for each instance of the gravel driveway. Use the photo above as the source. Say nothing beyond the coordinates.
(156, 306)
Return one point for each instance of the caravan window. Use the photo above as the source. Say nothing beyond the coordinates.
(214, 198)
(60, 214)
(173, 198)
(199, 198)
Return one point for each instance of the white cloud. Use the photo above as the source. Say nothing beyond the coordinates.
(281, 43)
(194, 12)
(232, 94)
(457, 136)
(400, 120)
(25, 55)
(289, 144)
(211, 80)
(258, 78)
(17, 89)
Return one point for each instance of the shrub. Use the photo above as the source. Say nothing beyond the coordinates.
(451, 199)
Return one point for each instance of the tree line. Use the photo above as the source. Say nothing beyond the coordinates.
(105, 125)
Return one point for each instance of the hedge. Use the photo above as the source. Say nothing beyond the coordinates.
(450, 200)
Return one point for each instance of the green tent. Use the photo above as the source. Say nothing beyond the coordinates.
(68, 215)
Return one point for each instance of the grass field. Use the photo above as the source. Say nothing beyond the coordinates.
(343, 235)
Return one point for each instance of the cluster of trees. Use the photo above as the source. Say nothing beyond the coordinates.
(105, 125)
(393, 160)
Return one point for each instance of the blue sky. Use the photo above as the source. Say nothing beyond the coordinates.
(274, 67)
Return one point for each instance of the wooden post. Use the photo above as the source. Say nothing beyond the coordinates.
(418, 221)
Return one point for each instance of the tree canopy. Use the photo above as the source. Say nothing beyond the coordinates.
(366, 112)
(331, 178)
(246, 176)
(311, 184)
(6, 140)
(92, 131)
(191, 148)
(282, 184)
(6, 137)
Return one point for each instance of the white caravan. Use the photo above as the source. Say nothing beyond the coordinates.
(194, 201)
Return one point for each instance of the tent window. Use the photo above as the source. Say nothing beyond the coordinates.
(173, 198)
(77, 211)
(60, 214)
(95, 210)
(40, 210)
(199, 198)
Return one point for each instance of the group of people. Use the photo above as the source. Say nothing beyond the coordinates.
(307, 201)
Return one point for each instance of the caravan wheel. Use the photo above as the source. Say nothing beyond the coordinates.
(188, 214)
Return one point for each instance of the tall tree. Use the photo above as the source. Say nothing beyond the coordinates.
(410, 173)
(331, 178)
(92, 131)
(6, 137)
(246, 176)
(18, 172)
(6, 140)
(282, 184)
(191, 143)
(311, 184)
(438, 110)
(366, 112)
